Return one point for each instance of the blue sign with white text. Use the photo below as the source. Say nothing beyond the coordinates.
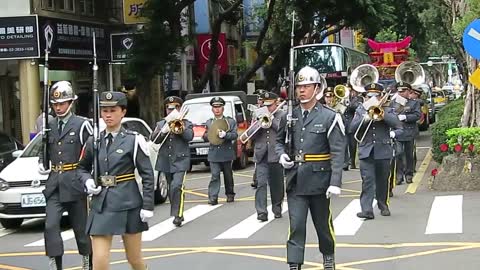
(471, 39)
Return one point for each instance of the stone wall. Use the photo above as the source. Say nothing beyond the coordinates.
(457, 173)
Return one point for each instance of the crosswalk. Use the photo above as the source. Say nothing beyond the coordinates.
(445, 216)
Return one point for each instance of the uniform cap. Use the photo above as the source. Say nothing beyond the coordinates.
(217, 102)
(112, 99)
(172, 102)
(329, 92)
(268, 98)
(402, 86)
(418, 91)
(374, 87)
(62, 91)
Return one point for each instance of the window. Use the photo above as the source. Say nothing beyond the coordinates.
(67, 5)
(87, 7)
(48, 4)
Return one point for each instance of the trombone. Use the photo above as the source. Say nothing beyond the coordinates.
(376, 113)
(264, 121)
(176, 126)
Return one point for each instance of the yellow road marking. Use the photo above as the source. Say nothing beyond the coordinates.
(412, 188)
(351, 182)
(237, 184)
(196, 193)
(242, 175)
(8, 267)
(351, 190)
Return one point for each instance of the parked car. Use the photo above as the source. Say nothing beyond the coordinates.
(427, 108)
(448, 89)
(199, 111)
(21, 185)
(440, 99)
(8, 145)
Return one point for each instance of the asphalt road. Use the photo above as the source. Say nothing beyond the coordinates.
(427, 230)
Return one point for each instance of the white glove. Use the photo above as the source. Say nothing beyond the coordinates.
(145, 215)
(165, 129)
(285, 161)
(392, 134)
(92, 188)
(402, 117)
(222, 134)
(333, 190)
(366, 117)
(42, 170)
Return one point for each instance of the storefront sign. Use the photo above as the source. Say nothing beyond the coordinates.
(122, 46)
(73, 40)
(132, 11)
(19, 37)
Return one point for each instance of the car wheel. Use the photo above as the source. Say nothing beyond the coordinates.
(242, 161)
(13, 223)
(161, 193)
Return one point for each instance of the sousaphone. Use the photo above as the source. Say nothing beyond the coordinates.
(217, 125)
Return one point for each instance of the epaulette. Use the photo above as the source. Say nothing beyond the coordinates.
(131, 132)
(330, 109)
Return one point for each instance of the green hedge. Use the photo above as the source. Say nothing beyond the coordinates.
(449, 117)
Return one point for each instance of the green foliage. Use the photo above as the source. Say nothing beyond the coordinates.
(472, 14)
(464, 137)
(448, 118)
(386, 35)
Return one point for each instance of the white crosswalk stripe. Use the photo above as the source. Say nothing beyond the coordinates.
(445, 215)
(66, 235)
(249, 226)
(167, 226)
(347, 222)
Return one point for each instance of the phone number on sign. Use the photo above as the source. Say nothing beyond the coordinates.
(28, 49)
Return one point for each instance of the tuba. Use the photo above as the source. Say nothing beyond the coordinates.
(342, 96)
(213, 131)
(363, 75)
(410, 72)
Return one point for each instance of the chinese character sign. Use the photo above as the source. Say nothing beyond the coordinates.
(204, 52)
(19, 37)
(132, 11)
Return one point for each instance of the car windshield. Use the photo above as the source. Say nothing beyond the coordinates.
(199, 113)
(34, 147)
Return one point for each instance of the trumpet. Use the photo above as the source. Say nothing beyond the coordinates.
(176, 126)
(263, 122)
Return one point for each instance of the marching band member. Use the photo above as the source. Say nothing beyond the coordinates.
(375, 152)
(259, 93)
(221, 156)
(409, 113)
(174, 156)
(355, 100)
(118, 207)
(268, 170)
(316, 173)
(66, 139)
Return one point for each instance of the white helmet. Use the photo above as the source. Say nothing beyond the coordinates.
(308, 75)
(62, 91)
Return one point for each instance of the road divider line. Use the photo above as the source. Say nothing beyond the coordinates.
(167, 226)
(249, 226)
(347, 222)
(66, 235)
(417, 178)
(445, 215)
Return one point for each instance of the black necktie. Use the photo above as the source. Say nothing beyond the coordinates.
(60, 127)
(305, 115)
(109, 141)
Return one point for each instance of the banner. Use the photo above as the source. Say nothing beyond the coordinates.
(204, 52)
(19, 37)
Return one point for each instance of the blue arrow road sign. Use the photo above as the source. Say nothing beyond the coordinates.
(471, 39)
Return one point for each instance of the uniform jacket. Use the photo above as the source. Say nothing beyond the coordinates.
(65, 148)
(174, 154)
(413, 113)
(265, 140)
(127, 153)
(310, 137)
(350, 111)
(377, 138)
(225, 151)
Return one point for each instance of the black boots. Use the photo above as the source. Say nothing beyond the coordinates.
(55, 263)
(329, 262)
(295, 266)
(87, 262)
(178, 221)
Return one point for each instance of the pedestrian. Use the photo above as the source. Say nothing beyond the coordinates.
(67, 136)
(174, 154)
(314, 174)
(268, 170)
(119, 205)
(221, 153)
(375, 150)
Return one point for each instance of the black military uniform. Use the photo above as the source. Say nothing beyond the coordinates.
(221, 157)
(318, 166)
(174, 158)
(62, 192)
(409, 114)
(375, 154)
(351, 153)
(259, 93)
(116, 209)
(268, 170)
